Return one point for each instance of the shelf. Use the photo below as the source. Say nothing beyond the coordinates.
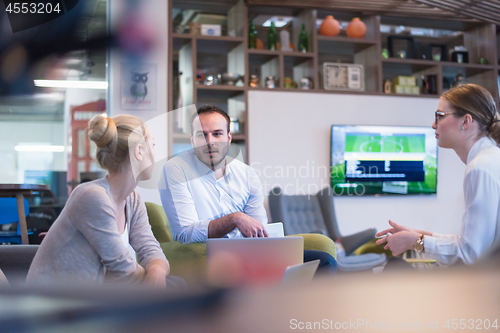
(211, 38)
(412, 95)
(469, 69)
(182, 36)
(343, 45)
(218, 91)
(257, 58)
(219, 54)
(363, 93)
(284, 53)
(342, 39)
(217, 45)
(296, 58)
(222, 87)
(185, 136)
(395, 66)
(294, 90)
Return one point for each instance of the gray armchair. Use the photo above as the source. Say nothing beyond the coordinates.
(15, 261)
(316, 214)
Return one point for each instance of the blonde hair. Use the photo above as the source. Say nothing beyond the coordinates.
(113, 137)
(478, 102)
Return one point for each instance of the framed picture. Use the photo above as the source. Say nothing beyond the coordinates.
(139, 86)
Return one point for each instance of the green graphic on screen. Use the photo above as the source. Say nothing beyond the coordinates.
(383, 159)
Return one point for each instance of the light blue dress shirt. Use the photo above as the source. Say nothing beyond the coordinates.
(192, 197)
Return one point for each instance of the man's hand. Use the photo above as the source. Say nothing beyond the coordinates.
(249, 226)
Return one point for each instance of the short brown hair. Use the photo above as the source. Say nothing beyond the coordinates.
(207, 108)
(478, 102)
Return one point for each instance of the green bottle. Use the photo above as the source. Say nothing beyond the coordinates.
(252, 36)
(303, 40)
(271, 38)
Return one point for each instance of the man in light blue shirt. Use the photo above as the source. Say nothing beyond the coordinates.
(208, 194)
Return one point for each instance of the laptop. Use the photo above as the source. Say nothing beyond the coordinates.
(300, 274)
(251, 261)
(275, 229)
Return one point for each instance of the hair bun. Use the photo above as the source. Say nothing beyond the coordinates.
(102, 130)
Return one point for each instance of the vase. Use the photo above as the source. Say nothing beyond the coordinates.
(329, 27)
(356, 28)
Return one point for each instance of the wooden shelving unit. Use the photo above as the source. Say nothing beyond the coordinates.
(218, 54)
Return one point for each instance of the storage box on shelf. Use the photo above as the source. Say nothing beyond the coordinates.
(421, 70)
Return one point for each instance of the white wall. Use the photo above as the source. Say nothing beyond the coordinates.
(156, 13)
(14, 132)
(292, 130)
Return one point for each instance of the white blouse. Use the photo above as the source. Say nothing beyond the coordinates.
(126, 242)
(481, 220)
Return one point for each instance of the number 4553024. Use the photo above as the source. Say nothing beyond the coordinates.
(32, 8)
(471, 324)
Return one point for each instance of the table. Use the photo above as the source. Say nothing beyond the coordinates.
(446, 300)
(19, 191)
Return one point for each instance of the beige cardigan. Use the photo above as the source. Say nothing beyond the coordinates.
(84, 244)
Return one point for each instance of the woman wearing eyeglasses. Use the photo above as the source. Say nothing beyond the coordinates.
(467, 121)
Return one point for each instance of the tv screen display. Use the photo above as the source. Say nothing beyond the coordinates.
(383, 160)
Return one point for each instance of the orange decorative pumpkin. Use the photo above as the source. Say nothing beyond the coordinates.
(329, 27)
(356, 28)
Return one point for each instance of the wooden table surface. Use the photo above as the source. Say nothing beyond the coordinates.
(19, 191)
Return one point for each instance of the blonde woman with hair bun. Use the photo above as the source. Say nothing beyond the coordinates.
(104, 225)
(468, 122)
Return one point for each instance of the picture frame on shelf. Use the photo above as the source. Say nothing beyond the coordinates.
(408, 49)
(442, 52)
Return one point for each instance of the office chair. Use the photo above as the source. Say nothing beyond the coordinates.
(8, 215)
(316, 214)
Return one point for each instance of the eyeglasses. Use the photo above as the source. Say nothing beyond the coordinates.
(441, 115)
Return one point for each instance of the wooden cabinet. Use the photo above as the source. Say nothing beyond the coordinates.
(229, 53)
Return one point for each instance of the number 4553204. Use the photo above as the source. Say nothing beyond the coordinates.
(32, 8)
(470, 324)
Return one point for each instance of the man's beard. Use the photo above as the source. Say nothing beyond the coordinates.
(210, 162)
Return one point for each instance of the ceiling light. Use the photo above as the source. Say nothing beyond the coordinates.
(40, 148)
(279, 21)
(71, 84)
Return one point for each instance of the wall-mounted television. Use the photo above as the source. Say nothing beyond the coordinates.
(383, 160)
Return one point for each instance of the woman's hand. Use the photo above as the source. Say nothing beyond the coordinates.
(156, 273)
(395, 229)
(400, 241)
